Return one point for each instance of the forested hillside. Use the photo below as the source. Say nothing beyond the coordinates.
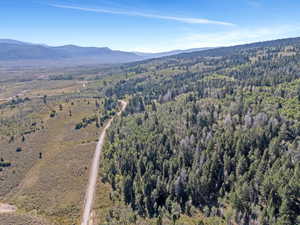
(216, 132)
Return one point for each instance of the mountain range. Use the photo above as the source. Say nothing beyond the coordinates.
(169, 53)
(13, 51)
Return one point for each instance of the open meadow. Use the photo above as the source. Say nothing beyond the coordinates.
(48, 132)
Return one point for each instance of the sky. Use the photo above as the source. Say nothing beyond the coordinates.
(149, 25)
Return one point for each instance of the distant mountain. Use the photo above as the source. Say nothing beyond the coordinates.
(11, 50)
(170, 53)
(10, 41)
(17, 51)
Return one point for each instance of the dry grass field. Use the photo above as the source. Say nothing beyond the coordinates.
(48, 158)
(38, 88)
(52, 185)
(21, 219)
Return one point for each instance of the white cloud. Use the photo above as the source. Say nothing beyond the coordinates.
(146, 15)
(237, 36)
(227, 38)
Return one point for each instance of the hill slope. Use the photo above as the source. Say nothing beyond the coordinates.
(214, 133)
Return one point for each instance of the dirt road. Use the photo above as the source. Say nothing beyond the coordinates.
(90, 192)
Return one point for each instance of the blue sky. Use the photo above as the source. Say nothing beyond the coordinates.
(149, 25)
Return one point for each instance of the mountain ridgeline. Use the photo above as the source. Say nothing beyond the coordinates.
(16, 51)
(13, 50)
(215, 132)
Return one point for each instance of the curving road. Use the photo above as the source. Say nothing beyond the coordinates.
(90, 192)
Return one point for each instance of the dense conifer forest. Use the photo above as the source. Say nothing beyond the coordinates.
(216, 131)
